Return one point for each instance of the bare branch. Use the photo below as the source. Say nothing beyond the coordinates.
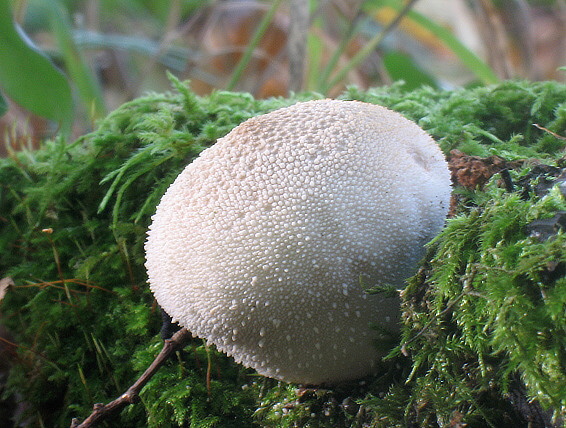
(131, 396)
(554, 134)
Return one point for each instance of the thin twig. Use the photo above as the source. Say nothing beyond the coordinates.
(131, 396)
(339, 50)
(554, 134)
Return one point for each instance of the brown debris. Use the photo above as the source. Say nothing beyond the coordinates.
(473, 172)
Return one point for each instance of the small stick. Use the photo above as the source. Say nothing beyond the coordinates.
(554, 134)
(131, 396)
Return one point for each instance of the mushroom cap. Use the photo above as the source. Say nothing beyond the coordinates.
(265, 244)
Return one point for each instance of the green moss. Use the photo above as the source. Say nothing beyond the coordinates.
(489, 305)
(486, 308)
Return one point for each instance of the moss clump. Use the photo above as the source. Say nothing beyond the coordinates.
(485, 312)
(485, 316)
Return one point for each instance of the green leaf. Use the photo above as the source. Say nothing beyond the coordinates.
(400, 66)
(3, 105)
(29, 78)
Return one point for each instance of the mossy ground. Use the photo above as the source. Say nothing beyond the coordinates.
(484, 316)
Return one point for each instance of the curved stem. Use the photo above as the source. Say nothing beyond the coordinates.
(131, 396)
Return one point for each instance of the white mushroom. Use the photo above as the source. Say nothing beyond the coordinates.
(264, 245)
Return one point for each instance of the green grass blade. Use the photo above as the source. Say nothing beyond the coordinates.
(3, 105)
(331, 65)
(78, 69)
(371, 45)
(314, 64)
(252, 45)
(476, 65)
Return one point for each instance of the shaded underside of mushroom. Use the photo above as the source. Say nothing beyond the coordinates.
(265, 245)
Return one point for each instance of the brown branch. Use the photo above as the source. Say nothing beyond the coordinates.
(131, 396)
(554, 134)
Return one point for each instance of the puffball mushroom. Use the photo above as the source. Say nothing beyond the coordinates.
(266, 244)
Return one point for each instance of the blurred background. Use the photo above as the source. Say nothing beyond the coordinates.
(112, 51)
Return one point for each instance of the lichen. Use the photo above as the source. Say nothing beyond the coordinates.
(484, 317)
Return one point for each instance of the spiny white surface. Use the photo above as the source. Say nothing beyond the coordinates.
(264, 244)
